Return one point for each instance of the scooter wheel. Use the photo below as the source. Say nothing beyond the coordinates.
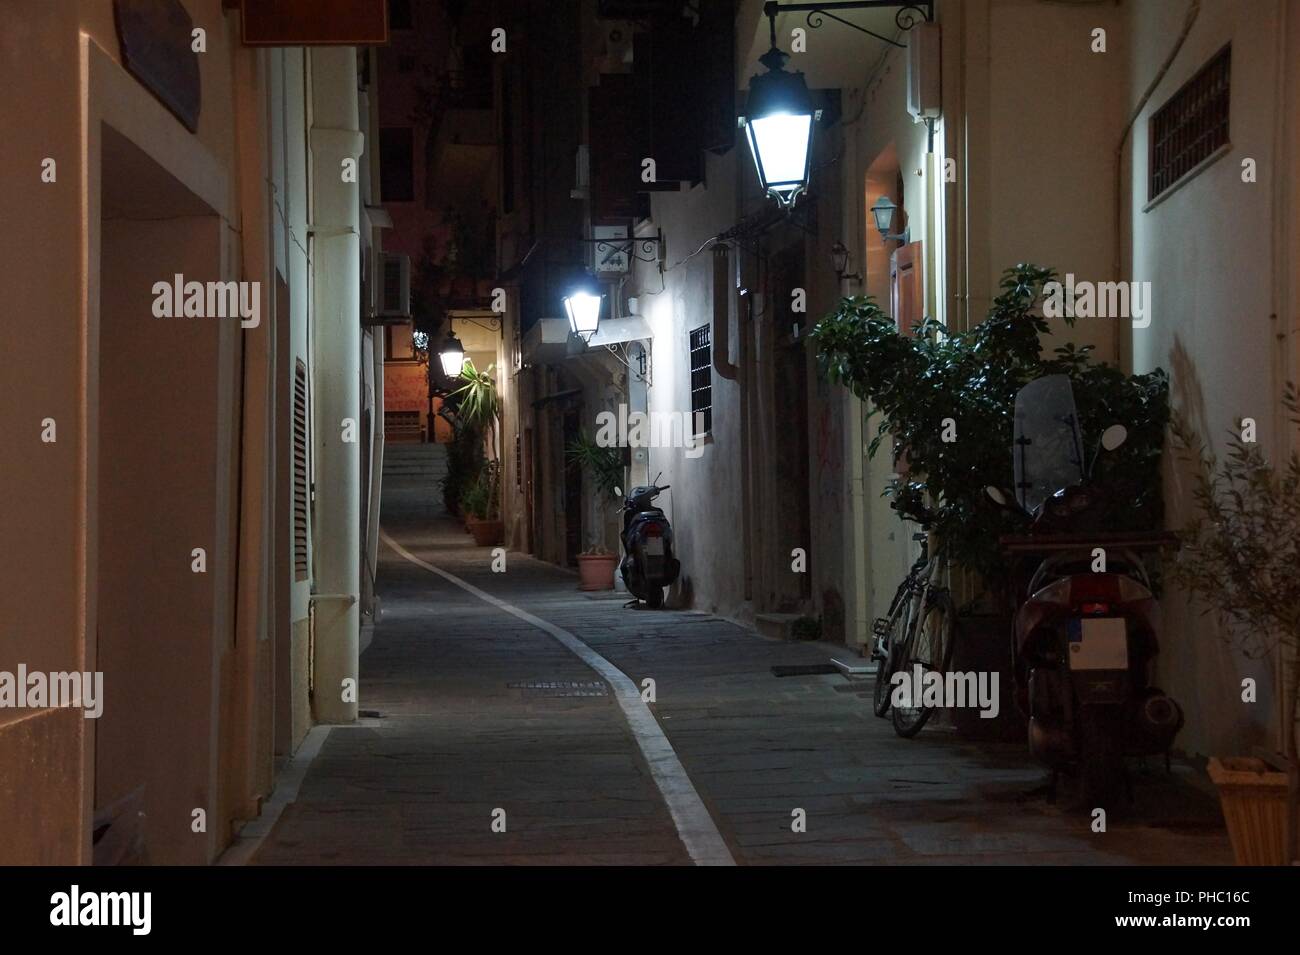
(654, 598)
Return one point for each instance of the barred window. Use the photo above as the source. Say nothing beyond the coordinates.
(1191, 126)
(701, 381)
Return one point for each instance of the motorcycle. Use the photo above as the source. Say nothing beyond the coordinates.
(1084, 635)
(648, 564)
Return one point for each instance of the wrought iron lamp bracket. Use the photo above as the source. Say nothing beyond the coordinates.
(649, 246)
(906, 15)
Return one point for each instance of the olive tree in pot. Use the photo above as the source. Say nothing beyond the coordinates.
(604, 470)
(1241, 557)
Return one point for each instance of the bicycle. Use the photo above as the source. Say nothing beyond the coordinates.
(919, 630)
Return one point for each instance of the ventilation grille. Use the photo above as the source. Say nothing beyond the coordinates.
(300, 472)
(1191, 126)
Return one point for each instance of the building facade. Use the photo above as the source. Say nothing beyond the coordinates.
(199, 494)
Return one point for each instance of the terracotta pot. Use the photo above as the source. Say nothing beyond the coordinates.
(1253, 796)
(487, 533)
(596, 571)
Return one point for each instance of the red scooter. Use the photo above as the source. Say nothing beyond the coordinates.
(1084, 635)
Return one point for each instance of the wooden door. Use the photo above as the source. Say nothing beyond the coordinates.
(907, 286)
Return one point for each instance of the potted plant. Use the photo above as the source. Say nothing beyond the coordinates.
(946, 400)
(488, 528)
(473, 504)
(1241, 557)
(604, 469)
(477, 406)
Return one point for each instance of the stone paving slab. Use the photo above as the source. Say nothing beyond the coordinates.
(456, 740)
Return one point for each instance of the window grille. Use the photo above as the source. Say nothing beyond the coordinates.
(1191, 126)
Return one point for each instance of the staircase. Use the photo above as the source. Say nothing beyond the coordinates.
(412, 487)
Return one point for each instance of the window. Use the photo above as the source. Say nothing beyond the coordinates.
(1191, 126)
(701, 381)
(399, 15)
(300, 569)
(396, 170)
(399, 342)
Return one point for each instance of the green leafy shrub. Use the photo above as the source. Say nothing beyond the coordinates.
(465, 461)
(916, 381)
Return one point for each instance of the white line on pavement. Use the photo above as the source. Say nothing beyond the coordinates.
(695, 826)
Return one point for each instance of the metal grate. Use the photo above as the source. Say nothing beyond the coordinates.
(300, 571)
(701, 381)
(562, 687)
(1191, 126)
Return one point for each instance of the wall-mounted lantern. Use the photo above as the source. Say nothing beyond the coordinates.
(451, 355)
(582, 305)
(778, 123)
(840, 260)
(883, 211)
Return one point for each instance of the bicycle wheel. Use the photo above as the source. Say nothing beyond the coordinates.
(928, 646)
(892, 637)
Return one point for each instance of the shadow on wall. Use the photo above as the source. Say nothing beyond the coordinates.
(1197, 664)
(681, 595)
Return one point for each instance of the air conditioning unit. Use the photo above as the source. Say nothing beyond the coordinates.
(924, 86)
(394, 286)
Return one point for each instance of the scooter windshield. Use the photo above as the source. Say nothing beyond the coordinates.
(1048, 450)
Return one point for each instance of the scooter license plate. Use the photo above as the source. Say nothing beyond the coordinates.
(654, 546)
(1098, 643)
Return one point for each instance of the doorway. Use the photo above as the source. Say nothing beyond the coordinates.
(164, 496)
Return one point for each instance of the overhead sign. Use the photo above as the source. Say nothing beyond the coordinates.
(314, 22)
(157, 49)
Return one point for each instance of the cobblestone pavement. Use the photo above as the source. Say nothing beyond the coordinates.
(477, 710)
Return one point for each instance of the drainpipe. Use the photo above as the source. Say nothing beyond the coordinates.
(743, 330)
(336, 285)
(722, 313)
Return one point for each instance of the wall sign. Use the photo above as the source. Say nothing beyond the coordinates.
(156, 49)
(314, 22)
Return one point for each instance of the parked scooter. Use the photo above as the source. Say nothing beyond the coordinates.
(1084, 636)
(648, 564)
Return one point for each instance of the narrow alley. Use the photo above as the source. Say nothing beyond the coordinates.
(467, 709)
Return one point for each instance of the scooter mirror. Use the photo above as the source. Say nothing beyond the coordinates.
(618, 492)
(997, 496)
(1114, 436)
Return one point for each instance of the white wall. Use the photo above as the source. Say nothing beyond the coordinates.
(1207, 250)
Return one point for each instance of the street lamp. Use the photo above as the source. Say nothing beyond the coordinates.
(582, 305)
(883, 212)
(778, 123)
(451, 355)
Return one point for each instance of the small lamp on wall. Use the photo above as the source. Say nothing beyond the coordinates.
(582, 305)
(840, 259)
(451, 355)
(883, 212)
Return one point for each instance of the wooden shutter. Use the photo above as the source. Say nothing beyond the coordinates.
(300, 570)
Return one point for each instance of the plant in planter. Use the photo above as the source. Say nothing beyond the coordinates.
(488, 528)
(465, 460)
(924, 382)
(478, 404)
(1240, 556)
(604, 468)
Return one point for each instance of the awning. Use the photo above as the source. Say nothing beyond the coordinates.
(621, 330)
